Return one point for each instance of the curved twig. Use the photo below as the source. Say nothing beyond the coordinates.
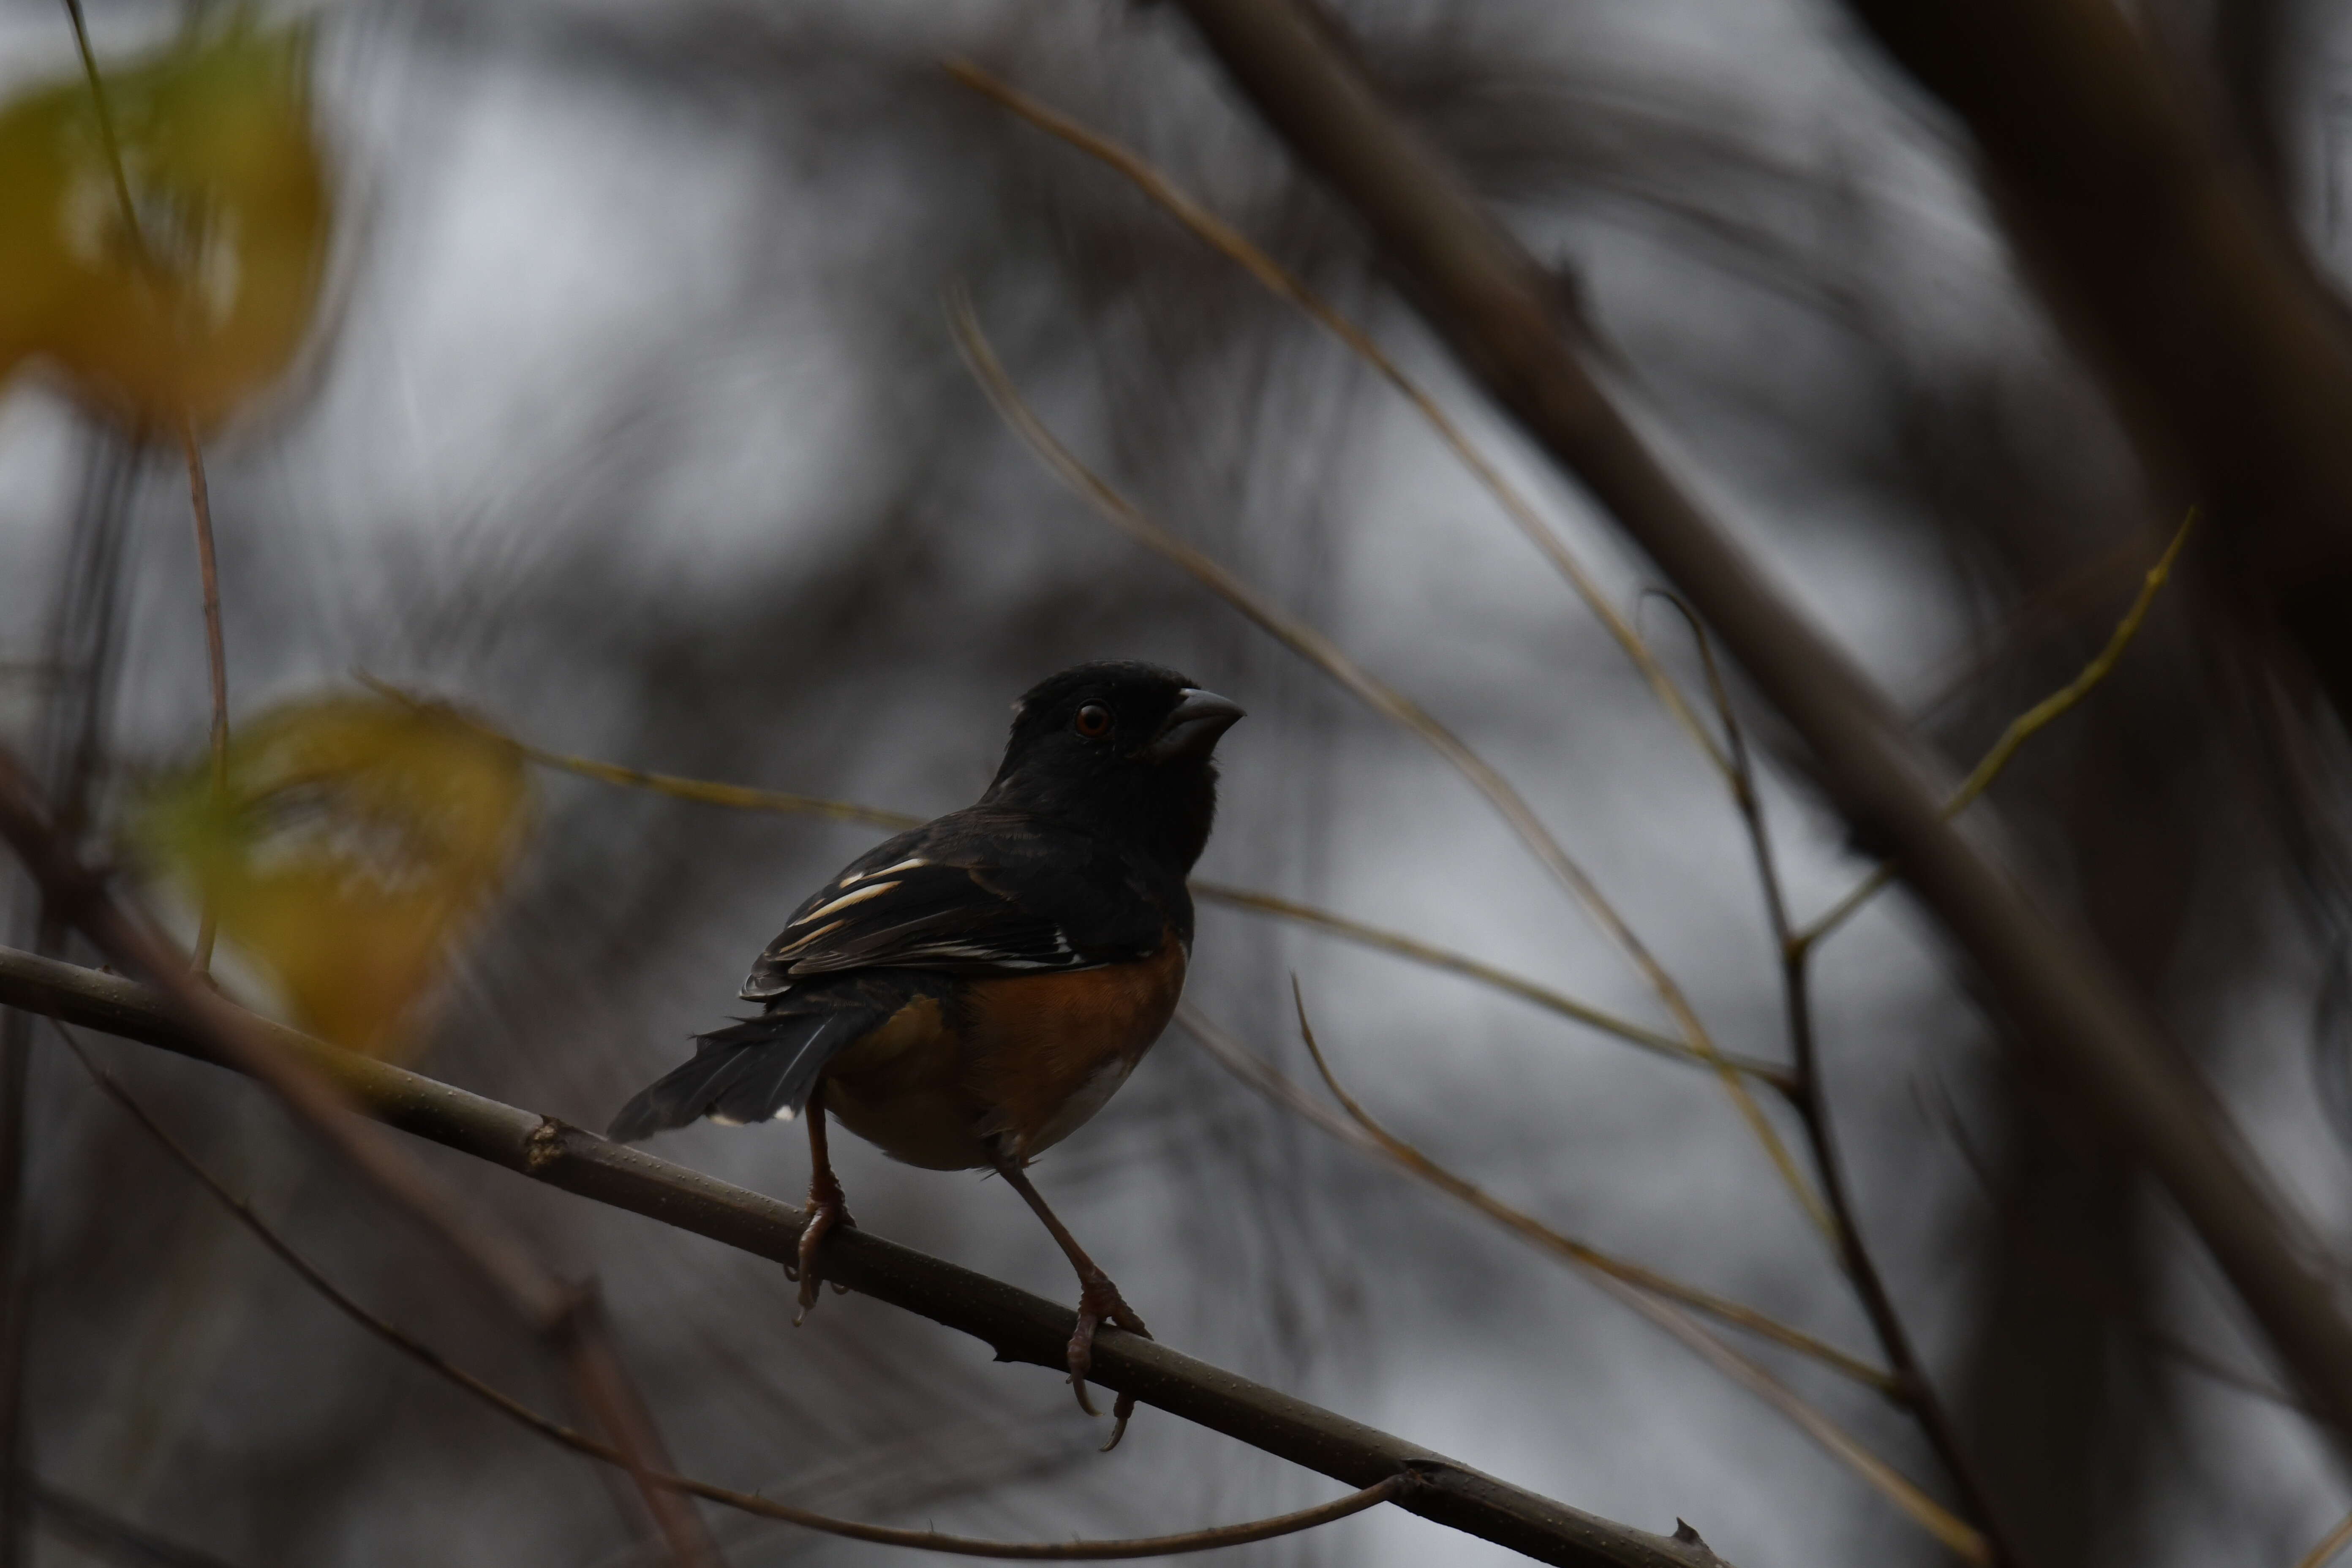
(1268, 1081)
(1930, 1515)
(1285, 284)
(2021, 729)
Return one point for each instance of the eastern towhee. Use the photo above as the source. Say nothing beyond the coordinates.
(966, 995)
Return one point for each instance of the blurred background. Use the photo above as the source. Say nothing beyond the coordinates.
(627, 415)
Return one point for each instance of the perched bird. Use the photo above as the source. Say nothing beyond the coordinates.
(967, 995)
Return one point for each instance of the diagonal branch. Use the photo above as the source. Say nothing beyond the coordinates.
(1211, 1540)
(1285, 284)
(1017, 1326)
(2064, 1001)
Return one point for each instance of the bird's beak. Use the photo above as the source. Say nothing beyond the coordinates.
(1192, 727)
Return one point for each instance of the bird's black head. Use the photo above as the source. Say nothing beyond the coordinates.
(1122, 749)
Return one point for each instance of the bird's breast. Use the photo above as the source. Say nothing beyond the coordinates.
(1043, 1052)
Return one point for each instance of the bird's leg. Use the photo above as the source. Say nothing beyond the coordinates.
(1098, 1300)
(826, 1206)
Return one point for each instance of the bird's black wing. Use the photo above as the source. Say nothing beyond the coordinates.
(978, 892)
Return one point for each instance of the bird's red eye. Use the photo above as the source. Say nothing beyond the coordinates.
(1093, 721)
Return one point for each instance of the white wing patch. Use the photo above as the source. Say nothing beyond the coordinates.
(847, 900)
(911, 863)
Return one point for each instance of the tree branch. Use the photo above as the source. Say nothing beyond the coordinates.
(566, 1318)
(1018, 1326)
(1486, 296)
(1914, 1387)
(2159, 249)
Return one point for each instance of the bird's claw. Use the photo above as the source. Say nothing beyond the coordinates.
(1099, 1302)
(825, 1210)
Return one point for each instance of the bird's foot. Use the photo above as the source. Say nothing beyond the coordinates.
(1099, 1302)
(826, 1208)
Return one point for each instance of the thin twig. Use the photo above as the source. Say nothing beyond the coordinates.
(1267, 1080)
(103, 1535)
(1915, 1388)
(1017, 1326)
(565, 1317)
(1384, 700)
(150, 267)
(744, 797)
(1932, 1516)
(424, 1355)
(215, 654)
(2325, 1553)
(1435, 957)
(1285, 284)
(2021, 729)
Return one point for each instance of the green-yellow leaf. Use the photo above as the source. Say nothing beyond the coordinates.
(211, 300)
(357, 838)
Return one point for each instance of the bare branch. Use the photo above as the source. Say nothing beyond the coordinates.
(1210, 1540)
(1367, 1136)
(1228, 241)
(566, 1318)
(199, 492)
(1017, 1326)
(1436, 957)
(2325, 1553)
(1914, 1387)
(1893, 1483)
(2021, 729)
(103, 1535)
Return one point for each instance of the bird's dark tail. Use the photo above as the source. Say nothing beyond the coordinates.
(754, 1069)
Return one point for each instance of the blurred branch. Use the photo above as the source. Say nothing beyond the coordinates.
(2325, 1553)
(1914, 1387)
(1491, 302)
(1897, 1489)
(2156, 243)
(2088, 1284)
(1392, 705)
(565, 1317)
(742, 797)
(556, 1432)
(102, 1535)
(1230, 242)
(2021, 729)
(1270, 1081)
(1017, 1326)
(199, 492)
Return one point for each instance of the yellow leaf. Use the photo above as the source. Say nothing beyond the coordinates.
(211, 298)
(357, 837)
